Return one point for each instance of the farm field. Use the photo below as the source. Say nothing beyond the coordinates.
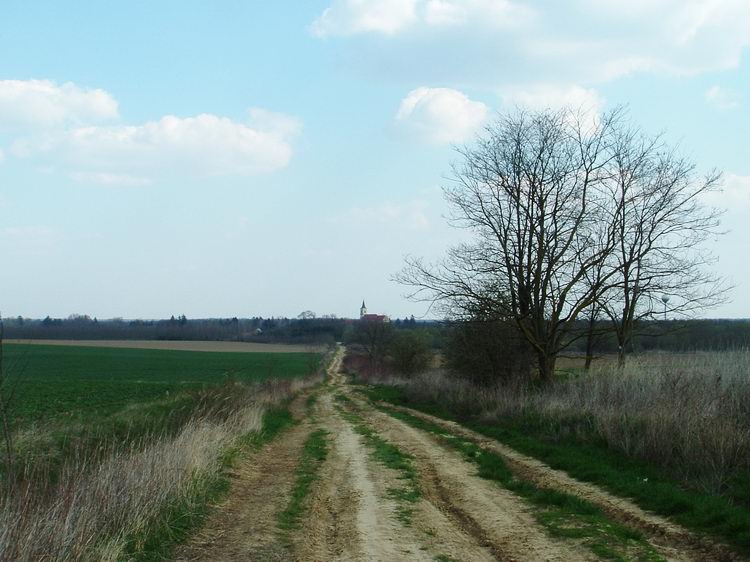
(80, 381)
(210, 346)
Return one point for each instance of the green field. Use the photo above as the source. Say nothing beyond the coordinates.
(54, 382)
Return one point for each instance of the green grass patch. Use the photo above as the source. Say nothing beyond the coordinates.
(275, 420)
(391, 456)
(562, 514)
(592, 461)
(314, 452)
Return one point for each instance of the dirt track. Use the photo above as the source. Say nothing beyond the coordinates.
(353, 514)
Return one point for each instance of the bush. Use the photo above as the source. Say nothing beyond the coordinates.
(488, 352)
(410, 351)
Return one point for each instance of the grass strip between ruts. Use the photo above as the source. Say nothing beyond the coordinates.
(391, 456)
(314, 453)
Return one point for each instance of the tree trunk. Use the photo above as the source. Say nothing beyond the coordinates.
(590, 343)
(547, 366)
(621, 343)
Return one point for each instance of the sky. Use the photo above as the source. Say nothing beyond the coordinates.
(243, 158)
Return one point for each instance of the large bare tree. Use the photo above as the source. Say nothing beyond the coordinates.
(571, 218)
(531, 190)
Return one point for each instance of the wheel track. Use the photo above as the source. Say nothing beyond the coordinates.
(672, 540)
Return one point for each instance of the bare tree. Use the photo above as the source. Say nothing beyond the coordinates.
(661, 225)
(532, 193)
(573, 221)
(374, 335)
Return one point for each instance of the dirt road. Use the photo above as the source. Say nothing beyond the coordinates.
(390, 491)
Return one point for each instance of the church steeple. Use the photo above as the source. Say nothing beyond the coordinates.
(363, 309)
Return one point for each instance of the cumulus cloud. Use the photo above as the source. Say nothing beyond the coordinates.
(441, 115)
(204, 145)
(43, 103)
(723, 98)
(349, 17)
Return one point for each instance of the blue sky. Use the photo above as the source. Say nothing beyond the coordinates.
(264, 158)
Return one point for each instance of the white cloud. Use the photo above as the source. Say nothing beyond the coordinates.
(2, 156)
(409, 215)
(504, 41)
(43, 103)
(388, 17)
(104, 178)
(204, 145)
(494, 13)
(445, 12)
(586, 102)
(441, 115)
(279, 124)
(349, 17)
(723, 98)
(734, 195)
(678, 37)
(29, 232)
(553, 96)
(30, 239)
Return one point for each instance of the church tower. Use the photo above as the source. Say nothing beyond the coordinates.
(363, 309)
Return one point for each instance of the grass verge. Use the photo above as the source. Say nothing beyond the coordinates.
(314, 452)
(562, 514)
(181, 518)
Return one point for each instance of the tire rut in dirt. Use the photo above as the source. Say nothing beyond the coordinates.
(439, 496)
(673, 541)
(350, 517)
(495, 517)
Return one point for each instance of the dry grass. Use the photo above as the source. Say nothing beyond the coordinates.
(688, 412)
(104, 504)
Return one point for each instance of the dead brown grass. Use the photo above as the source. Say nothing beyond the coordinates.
(687, 412)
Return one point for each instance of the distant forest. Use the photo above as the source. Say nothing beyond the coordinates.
(675, 335)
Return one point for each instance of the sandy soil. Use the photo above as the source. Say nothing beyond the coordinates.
(351, 516)
(224, 346)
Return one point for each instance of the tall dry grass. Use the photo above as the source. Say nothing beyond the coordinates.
(687, 412)
(103, 503)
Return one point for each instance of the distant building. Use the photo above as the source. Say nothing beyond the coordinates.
(365, 317)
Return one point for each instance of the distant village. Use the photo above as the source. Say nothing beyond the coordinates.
(367, 317)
